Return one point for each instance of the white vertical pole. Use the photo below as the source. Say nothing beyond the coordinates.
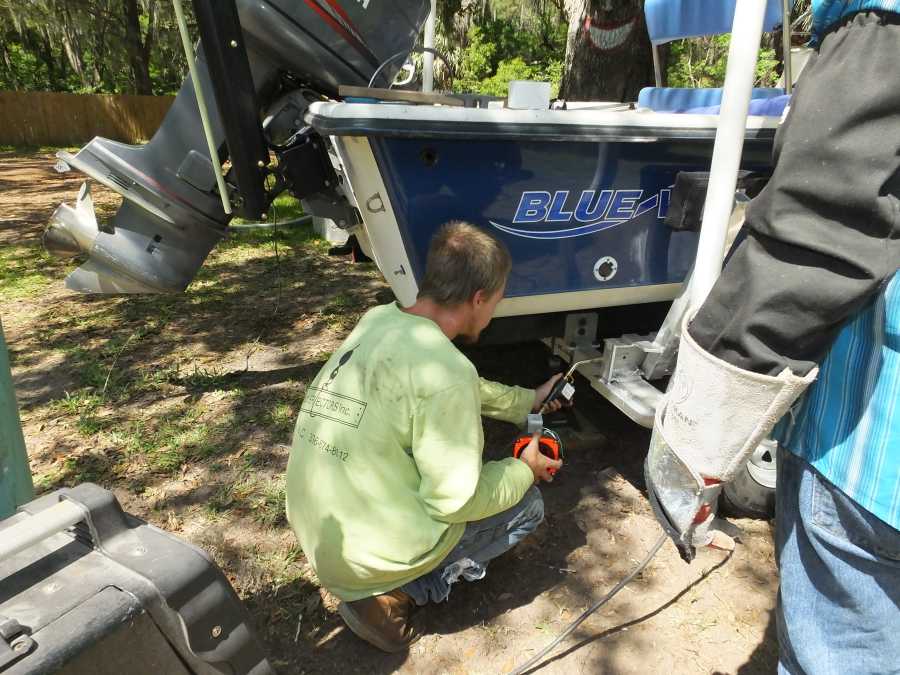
(428, 57)
(786, 45)
(739, 75)
(657, 66)
(201, 104)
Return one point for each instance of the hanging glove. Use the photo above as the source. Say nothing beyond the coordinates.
(707, 426)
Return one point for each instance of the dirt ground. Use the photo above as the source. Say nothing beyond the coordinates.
(183, 405)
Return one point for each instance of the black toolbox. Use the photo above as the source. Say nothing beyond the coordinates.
(87, 589)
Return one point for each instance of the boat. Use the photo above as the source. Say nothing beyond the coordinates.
(579, 193)
(579, 196)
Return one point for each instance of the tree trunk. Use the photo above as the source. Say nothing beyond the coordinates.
(138, 50)
(608, 52)
(71, 45)
(99, 64)
(8, 66)
(43, 49)
(73, 54)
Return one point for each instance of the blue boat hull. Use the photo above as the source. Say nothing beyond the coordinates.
(563, 208)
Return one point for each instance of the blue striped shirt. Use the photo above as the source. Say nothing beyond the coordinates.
(826, 13)
(848, 423)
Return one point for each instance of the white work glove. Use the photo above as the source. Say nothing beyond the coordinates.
(707, 426)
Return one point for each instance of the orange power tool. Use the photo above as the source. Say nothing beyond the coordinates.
(549, 445)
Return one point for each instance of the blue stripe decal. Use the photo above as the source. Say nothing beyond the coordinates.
(560, 234)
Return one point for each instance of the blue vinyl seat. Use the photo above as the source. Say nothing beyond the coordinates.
(676, 99)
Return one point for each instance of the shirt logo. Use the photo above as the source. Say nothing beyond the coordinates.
(341, 363)
(336, 407)
(594, 211)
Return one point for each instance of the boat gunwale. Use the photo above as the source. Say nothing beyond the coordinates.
(404, 121)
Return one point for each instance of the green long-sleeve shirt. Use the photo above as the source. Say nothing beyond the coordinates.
(386, 469)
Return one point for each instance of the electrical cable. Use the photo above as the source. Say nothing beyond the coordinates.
(302, 220)
(277, 258)
(405, 54)
(593, 608)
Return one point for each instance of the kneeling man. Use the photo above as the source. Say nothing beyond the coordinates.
(386, 488)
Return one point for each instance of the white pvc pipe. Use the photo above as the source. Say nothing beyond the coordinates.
(739, 75)
(201, 104)
(38, 527)
(786, 45)
(657, 66)
(428, 57)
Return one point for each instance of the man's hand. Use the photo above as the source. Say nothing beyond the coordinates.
(541, 466)
(543, 392)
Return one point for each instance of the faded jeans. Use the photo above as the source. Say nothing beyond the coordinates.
(482, 541)
(839, 600)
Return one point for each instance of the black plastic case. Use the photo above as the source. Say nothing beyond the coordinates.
(115, 595)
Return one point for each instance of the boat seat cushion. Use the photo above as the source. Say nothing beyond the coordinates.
(763, 100)
(676, 99)
(765, 107)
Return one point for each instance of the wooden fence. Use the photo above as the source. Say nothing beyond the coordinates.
(35, 118)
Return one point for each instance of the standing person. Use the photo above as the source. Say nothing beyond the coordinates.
(814, 290)
(386, 488)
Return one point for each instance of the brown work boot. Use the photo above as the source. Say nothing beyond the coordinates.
(382, 620)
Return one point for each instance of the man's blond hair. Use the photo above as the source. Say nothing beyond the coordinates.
(463, 259)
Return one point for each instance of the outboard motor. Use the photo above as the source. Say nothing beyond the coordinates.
(262, 62)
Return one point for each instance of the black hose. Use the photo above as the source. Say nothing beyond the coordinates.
(593, 608)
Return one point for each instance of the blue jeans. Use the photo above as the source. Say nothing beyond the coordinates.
(839, 599)
(482, 541)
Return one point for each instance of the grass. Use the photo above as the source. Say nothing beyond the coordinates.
(341, 313)
(285, 208)
(78, 403)
(162, 445)
(282, 209)
(37, 149)
(205, 379)
(261, 498)
(110, 377)
(80, 468)
(242, 242)
(25, 271)
(102, 346)
(281, 417)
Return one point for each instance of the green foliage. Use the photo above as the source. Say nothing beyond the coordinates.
(23, 68)
(498, 51)
(92, 47)
(60, 45)
(766, 73)
(700, 62)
